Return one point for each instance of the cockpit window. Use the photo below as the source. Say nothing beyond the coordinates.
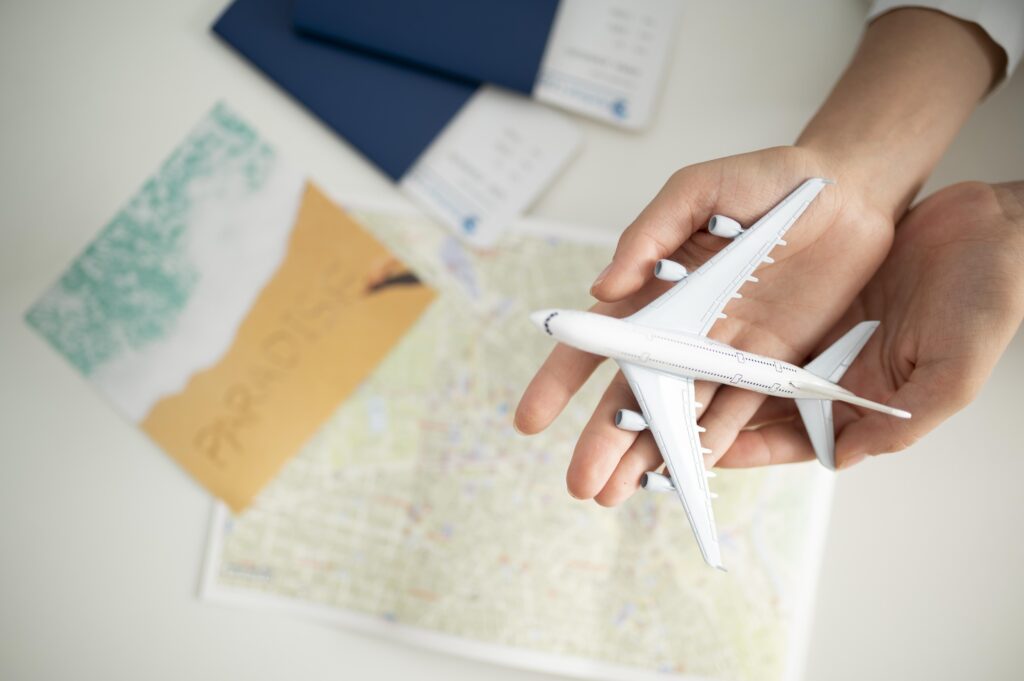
(549, 318)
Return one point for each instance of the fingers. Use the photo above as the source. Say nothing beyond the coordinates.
(773, 409)
(872, 434)
(777, 443)
(725, 416)
(601, 444)
(659, 230)
(559, 378)
(860, 434)
(931, 394)
(642, 456)
(728, 413)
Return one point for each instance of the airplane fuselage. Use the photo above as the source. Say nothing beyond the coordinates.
(679, 354)
(663, 348)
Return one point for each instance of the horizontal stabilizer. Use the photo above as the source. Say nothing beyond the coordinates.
(833, 363)
(817, 417)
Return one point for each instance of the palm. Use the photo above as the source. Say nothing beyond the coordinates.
(798, 299)
(803, 293)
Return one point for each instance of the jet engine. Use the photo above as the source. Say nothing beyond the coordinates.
(656, 482)
(719, 225)
(627, 419)
(669, 270)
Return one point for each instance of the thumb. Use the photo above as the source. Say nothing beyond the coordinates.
(658, 232)
(931, 394)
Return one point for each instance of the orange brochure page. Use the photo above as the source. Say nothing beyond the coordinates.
(229, 308)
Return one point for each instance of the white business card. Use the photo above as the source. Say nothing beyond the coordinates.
(606, 58)
(490, 163)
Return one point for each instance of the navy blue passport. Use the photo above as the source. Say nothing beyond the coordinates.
(492, 41)
(387, 111)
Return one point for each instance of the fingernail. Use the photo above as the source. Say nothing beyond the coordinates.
(852, 461)
(601, 277)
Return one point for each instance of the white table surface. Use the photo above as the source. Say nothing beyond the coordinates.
(101, 534)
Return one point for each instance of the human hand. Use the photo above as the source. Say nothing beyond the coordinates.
(950, 297)
(914, 80)
(831, 253)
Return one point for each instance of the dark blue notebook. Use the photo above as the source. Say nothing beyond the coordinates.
(387, 111)
(492, 41)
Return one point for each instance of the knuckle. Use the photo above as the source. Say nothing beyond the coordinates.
(620, 487)
(897, 440)
(974, 192)
(963, 386)
(645, 244)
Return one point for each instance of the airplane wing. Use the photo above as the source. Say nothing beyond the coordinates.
(670, 409)
(695, 303)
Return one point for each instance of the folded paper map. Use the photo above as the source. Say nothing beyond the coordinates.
(417, 513)
(229, 308)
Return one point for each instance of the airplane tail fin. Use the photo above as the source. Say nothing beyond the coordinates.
(831, 365)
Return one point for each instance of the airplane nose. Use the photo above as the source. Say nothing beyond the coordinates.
(541, 318)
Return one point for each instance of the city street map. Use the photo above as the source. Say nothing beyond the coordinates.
(417, 513)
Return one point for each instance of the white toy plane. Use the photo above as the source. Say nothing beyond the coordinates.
(663, 349)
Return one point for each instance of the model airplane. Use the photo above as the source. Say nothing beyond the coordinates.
(663, 349)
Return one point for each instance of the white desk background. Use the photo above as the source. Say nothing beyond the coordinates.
(101, 534)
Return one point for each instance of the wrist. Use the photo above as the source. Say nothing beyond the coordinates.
(914, 80)
(864, 172)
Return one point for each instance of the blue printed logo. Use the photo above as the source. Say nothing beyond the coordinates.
(469, 224)
(619, 109)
